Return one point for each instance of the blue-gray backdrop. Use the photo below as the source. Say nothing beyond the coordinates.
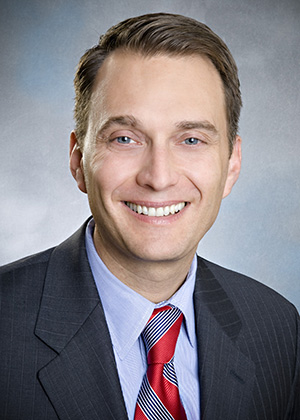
(258, 229)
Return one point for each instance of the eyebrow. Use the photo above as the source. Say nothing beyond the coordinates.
(131, 121)
(126, 120)
(200, 125)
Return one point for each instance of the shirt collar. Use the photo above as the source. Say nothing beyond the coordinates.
(126, 311)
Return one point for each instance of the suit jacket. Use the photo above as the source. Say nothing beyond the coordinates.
(57, 359)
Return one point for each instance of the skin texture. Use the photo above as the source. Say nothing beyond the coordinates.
(156, 137)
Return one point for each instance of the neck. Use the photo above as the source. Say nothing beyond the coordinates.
(156, 281)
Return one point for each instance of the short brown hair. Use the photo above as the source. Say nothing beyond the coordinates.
(153, 34)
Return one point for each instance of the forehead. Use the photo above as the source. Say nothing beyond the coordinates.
(178, 87)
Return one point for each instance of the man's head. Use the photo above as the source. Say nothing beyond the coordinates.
(159, 34)
(151, 146)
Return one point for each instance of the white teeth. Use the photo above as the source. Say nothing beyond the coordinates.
(181, 206)
(159, 212)
(151, 211)
(156, 211)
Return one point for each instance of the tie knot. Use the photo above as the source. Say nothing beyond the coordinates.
(161, 333)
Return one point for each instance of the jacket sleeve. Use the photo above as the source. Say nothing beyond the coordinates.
(293, 411)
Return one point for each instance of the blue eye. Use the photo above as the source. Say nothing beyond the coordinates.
(123, 140)
(191, 141)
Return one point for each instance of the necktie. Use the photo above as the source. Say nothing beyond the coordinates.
(158, 397)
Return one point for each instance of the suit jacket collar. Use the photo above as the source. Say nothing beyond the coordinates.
(82, 380)
(226, 374)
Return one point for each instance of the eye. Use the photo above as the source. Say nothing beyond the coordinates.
(191, 141)
(123, 140)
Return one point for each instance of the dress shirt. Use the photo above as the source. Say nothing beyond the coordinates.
(127, 313)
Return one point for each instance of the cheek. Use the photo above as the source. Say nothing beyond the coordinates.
(207, 175)
(107, 176)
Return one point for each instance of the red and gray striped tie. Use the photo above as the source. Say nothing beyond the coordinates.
(158, 397)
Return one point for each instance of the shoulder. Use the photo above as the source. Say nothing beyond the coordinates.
(21, 289)
(27, 264)
(267, 323)
(238, 285)
(36, 265)
(257, 305)
(24, 279)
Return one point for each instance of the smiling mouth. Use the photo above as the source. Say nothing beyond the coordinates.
(156, 211)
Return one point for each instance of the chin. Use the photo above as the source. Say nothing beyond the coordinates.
(159, 255)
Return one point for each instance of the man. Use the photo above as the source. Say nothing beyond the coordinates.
(156, 150)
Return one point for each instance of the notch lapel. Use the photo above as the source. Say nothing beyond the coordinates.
(82, 380)
(226, 374)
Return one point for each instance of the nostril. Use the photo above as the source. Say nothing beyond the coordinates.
(158, 172)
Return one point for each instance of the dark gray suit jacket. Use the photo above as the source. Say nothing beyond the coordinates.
(57, 360)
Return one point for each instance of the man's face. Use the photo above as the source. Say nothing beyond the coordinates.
(155, 160)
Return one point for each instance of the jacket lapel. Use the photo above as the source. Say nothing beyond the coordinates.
(226, 374)
(82, 380)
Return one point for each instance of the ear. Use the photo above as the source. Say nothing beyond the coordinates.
(76, 165)
(234, 166)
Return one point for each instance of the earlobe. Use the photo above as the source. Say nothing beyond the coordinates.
(76, 165)
(234, 166)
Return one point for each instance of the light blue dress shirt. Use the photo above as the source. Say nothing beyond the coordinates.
(127, 313)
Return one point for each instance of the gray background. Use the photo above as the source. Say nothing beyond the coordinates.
(258, 229)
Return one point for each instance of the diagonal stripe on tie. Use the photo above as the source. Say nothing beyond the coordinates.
(159, 325)
(159, 398)
(169, 373)
(151, 405)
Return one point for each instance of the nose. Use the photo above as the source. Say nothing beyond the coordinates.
(157, 170)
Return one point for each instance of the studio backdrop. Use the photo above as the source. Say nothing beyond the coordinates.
(258, 228)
